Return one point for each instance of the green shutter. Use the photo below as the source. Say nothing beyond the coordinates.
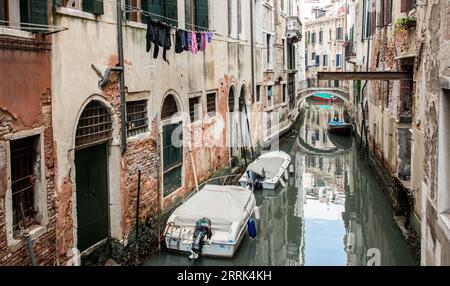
(171, 12)
(2, 12)
(38, 12)
(201, 13)
(93, 6)
(24, 12)
(188, 14)
(152, 6)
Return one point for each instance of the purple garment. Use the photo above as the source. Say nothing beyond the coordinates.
(203, 41)
(209, 36)
(194, 47)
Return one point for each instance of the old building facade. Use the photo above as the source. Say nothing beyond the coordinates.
(405, 121)
(325, 42)
(186, 118)
(27, 162)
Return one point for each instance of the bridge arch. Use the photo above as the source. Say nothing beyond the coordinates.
(336, 92)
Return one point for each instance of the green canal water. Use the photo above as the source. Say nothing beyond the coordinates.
(333, 211)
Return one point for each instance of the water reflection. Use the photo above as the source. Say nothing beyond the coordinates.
(332, 212)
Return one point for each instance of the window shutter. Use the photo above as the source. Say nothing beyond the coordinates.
(387, 12)
(171, 11)
(152, 6)
(38, 12)
(188, 14)
(201, 13)
(93, 6)
(2, 11)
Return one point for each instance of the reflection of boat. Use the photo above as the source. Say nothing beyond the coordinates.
(212, 222)
(340, 127)
(267, 170)
(342, 142)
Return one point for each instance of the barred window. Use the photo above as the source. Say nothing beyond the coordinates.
(137, 119)
(211, 104)
(24, 164)
(258, 93)
(94, 125)
(194, 108)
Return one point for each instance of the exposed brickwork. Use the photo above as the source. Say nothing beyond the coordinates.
(44, 243)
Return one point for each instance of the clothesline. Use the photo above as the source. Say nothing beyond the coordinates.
(148, 13)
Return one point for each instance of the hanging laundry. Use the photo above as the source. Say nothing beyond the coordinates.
(199, 41)
(194, 47)
(180, 42)
(158, 34)
(152, 37)
(209, 35)
(164, 39)
(188, 39)
(203, 41)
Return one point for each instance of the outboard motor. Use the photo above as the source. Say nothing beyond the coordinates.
(254, 179)
(202, 230)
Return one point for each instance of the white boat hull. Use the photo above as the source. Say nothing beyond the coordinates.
(272, 182)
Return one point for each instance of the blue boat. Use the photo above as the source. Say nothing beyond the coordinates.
(340, 127)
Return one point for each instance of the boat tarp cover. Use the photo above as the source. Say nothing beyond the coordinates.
(271, 166)
(223, 205)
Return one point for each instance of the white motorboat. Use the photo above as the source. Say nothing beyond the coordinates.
(212, 222)
(267, 171)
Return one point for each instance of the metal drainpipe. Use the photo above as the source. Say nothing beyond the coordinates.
(123, 106)
(363, 123)
(252, 50)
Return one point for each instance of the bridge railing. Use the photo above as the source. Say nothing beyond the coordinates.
(315, 83)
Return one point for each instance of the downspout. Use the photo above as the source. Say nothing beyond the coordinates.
(252, 51)
(363, 123)
(123, 106)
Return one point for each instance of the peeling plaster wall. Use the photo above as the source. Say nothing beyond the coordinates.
(433, 63)
(25, 106)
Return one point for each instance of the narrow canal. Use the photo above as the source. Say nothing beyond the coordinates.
(333, 211)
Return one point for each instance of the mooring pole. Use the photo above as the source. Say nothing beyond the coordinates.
(138, 199)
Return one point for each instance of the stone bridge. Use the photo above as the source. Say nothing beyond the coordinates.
(341, 93)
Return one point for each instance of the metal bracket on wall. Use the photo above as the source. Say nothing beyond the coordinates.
(104, 78)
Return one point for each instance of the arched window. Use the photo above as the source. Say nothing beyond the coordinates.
(94, 126)
(169, 107)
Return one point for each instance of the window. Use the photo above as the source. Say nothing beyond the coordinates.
(270, 95)
(258, 93)
(194, 108)
(387, 11)
(23, 12)
(291, 55)
(239, 13)
(137, 119)
(211, 104)
(313, 57)
(269, 51)
(317, 60)
(283, 44)
(306, 59)
(313, 37)
(338, 60)
(339, 34)
(90, 6)
(196, 14)
(94, 125)
(284, 93)
(325, 60)
(230, 18)
(3, 12)
(131, 14)
(166, 8)
(24, 178)
(321, 37)
(407, 5)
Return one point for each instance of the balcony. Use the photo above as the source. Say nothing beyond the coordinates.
(350, 53)
(294, 29)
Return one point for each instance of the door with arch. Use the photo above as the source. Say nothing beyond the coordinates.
(232, 124)
(172, 145)
(93, 133)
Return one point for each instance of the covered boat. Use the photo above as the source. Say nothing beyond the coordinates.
(212, 222)
(340, 127)
(266, 171)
